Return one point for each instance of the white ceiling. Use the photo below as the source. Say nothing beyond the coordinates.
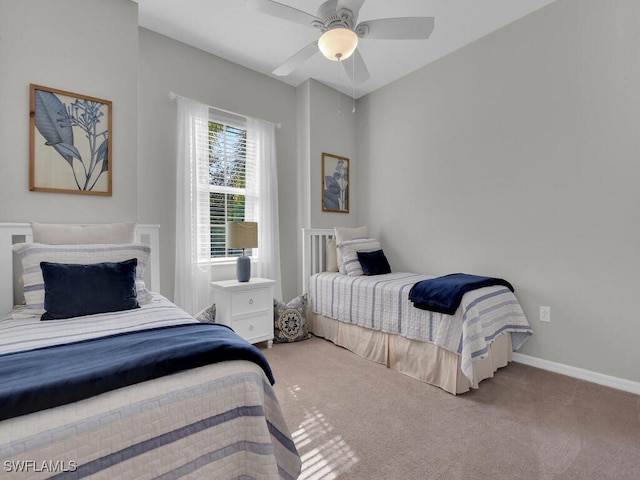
(229, 29)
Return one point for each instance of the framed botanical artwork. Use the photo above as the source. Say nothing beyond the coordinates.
(335, 183)
(70, 142)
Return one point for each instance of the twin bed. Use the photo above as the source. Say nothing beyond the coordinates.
(182, 417)
(371, 315)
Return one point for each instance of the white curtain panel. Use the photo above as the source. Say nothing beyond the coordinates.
(193, 234)
(265, 188)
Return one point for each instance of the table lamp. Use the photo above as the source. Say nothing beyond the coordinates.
(242, 235)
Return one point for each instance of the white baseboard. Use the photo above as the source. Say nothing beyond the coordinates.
(588, 375)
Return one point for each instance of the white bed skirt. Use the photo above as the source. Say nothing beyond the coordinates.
(423, 361)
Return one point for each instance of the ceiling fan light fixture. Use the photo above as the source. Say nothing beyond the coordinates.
(338, 43)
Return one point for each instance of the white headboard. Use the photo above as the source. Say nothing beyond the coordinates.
(11, 233)
(314, 241)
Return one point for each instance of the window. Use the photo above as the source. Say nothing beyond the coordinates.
(231, 170)
(225, 172)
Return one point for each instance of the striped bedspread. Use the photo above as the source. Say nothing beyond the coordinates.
(216, 421)
(382, 303)
(28, 332)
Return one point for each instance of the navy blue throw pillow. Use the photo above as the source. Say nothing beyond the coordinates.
(72, 290)
(374, 263)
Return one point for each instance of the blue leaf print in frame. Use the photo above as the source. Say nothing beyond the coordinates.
(70, 142)
(335, 183)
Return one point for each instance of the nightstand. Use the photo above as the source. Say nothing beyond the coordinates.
(247, 307)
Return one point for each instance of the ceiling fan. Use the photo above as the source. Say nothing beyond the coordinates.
(336, 19)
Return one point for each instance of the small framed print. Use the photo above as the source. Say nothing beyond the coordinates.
(335, 183)
(70, 142)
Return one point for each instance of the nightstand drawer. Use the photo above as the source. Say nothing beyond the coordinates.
(250, 301)
(253, 327)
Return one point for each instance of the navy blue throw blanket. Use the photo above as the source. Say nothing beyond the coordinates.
(444, 294)
(50, 376)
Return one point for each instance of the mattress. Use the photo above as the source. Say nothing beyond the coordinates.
(381, 303)
(215, 421)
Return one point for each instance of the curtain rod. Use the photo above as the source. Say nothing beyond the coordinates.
(173, 96)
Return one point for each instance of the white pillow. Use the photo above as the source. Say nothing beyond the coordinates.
(344, 234)
(355, 245)
(349, 233)
(332, 256)
(61, 234)
(31, 254)
(351, 263)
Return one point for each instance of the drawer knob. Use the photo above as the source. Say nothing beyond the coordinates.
(251, 301)
(250, 327)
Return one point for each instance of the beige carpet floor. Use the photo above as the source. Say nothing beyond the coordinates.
(354, 419)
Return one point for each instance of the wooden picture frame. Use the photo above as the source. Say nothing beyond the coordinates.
(69, 142)
(335, 183)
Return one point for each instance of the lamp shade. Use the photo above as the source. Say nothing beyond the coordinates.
(242, 234)
(338, 43)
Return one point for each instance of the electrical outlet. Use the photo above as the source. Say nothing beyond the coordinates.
(545, 314)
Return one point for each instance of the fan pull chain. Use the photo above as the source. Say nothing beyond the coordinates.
(339, 99)
(353, 85)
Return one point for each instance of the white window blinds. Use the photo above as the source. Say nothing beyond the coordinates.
(232, 176)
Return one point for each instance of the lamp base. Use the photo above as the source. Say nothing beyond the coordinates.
(243, 269)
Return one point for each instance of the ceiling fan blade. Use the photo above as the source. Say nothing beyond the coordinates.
(297, 59)
(405, 28)
(360, 73)
(280, 10)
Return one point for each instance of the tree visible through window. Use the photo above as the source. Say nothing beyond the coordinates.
(228, 182)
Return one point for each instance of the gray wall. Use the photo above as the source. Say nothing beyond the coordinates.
(518, 156)
(333, 130)
(89, 47)
(326, 123)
